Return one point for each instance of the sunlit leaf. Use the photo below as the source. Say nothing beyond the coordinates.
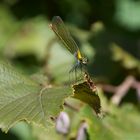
(127, 60)
(126, 9)
(23, 99)
(32, 37)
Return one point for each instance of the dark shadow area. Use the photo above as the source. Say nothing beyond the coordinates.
(8, 136)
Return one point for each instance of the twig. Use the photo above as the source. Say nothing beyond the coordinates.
(121, 90)
(109, 88)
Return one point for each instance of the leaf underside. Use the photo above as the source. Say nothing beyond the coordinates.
(84, 93)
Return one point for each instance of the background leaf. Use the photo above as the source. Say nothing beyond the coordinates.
(111, 126)
(127, 60)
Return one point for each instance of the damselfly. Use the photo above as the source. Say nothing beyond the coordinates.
(63, 34)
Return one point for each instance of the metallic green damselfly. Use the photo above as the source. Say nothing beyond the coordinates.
(59, 28)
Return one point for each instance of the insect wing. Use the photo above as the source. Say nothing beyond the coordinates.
(63, 34)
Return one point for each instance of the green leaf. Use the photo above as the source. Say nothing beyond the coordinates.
(22, 131)
(23, 99)
(33, 36)
(121, 123)
(127, 60)
(7, 21)
(126, 9)
(59, 68)
(84, 93)
(42, 134)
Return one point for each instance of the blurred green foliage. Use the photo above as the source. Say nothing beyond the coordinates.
(107, 32)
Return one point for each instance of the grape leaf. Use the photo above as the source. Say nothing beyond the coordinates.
(23, 99)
